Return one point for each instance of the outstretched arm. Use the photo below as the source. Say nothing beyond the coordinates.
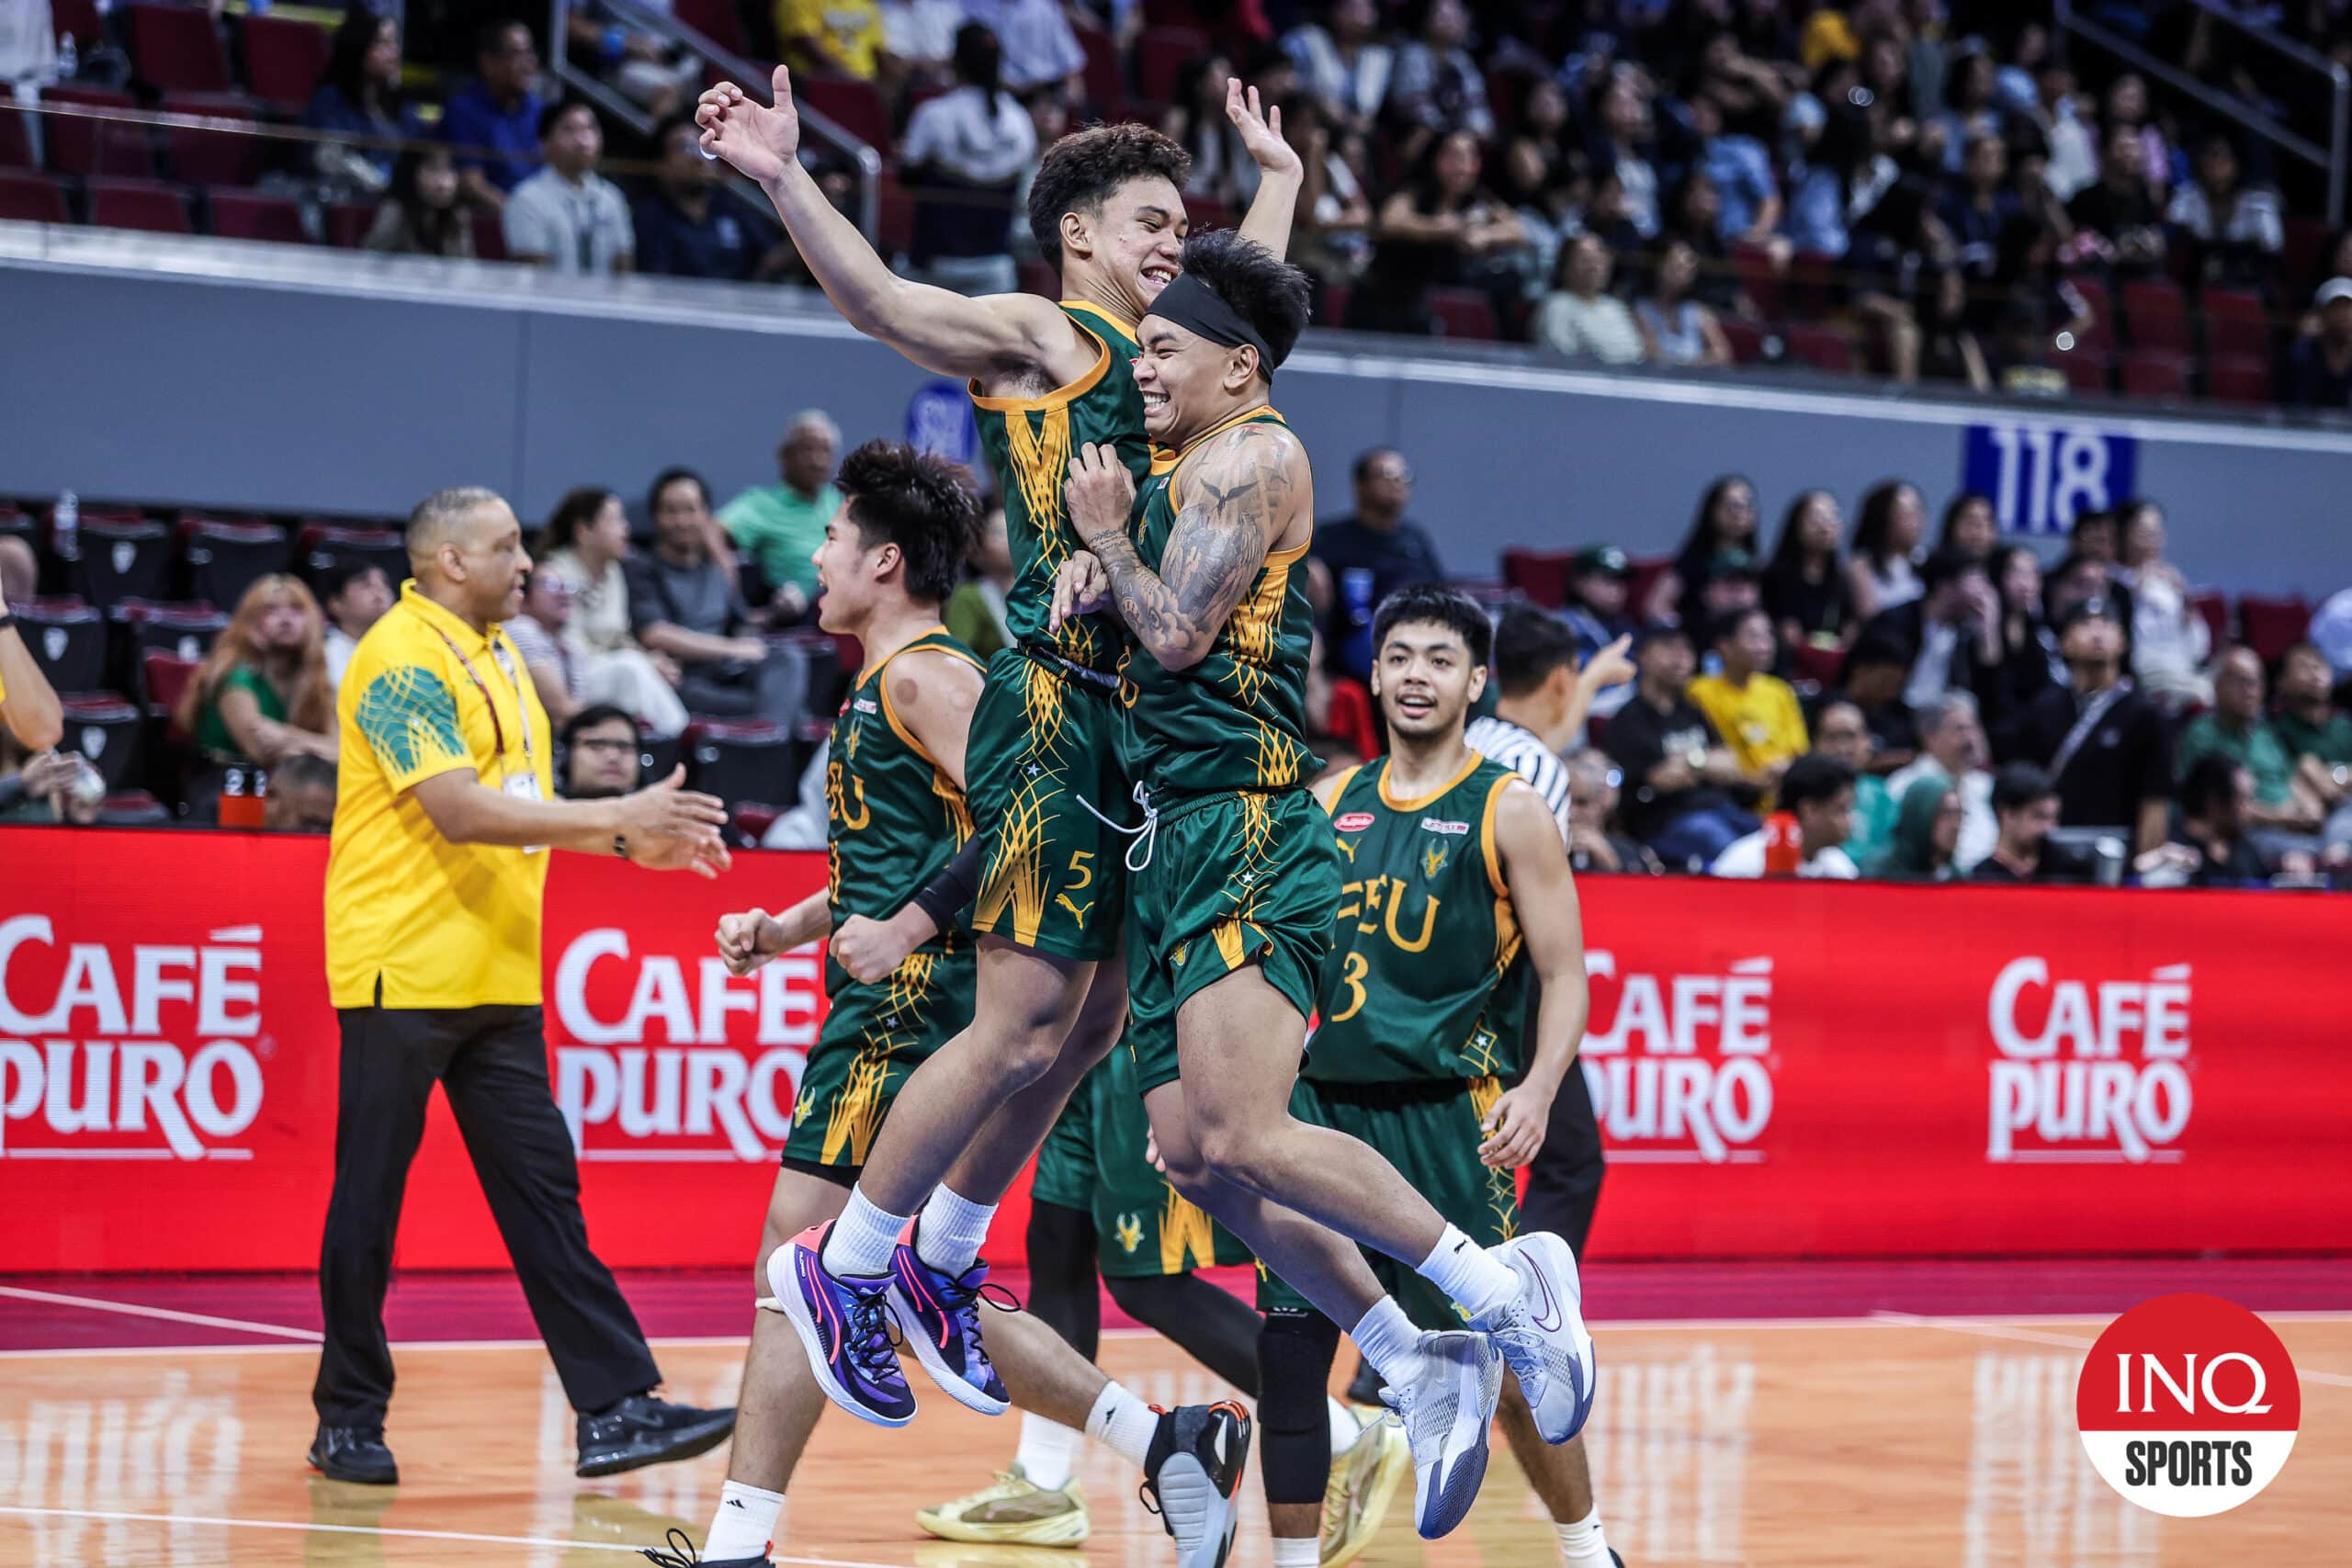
(1241, 487)
(942, 332)
(1280, 174)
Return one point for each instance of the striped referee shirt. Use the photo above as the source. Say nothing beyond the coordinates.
(1523, 752)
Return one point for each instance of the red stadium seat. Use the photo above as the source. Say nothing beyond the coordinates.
(1336, 299)
(1759, 279)
(1821, 666)
(84, 144)
(1463, 313)
(715, 19)
(32, 198)
(2100, 337)
(894, 210)
(284, 59)
(179, 49)
(348, 222)
(2088, 370)
(212, 157)
(490, 237)
(248, 215)
(1824, 348)
(1205, 212)
(76, 19)
(856, 106)
(1812, 288)
(1106, 83)
(2237, 324)
(1747, 339)
(1161, 55)
(2240, 380)
(2214, 607)
(2155, 374)
(2272, 626)
(1542, 575)
(165, 678)
(15, 141)
(1647, 570)
(149, 204)
(2299, 263)
(2156, 316)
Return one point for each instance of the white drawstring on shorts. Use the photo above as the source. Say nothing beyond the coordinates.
(1143, 836)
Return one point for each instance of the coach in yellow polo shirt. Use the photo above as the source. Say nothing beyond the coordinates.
(443, 820)
(1756, 712)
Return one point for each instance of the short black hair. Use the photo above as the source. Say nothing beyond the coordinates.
(1363, 460)
(558, 109)
(578, 508)
(2210, 780)
(1877, 648)
(1081, 171)
(1530, 645)
(1813, 778)
(669, 477)
(590, 717)
(341, 573)
(1272, 296)
(923, 504)
(491, 37)
(2019, 785)
(1945, 565)
(1726, 625)
(1439, 605)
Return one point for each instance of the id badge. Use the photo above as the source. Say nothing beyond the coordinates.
(525, 786)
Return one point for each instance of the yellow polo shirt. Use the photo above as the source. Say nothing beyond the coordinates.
(439, 925)
(1760, 722)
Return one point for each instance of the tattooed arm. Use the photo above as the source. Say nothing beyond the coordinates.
(1237, 494)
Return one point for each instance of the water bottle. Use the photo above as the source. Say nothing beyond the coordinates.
(65, 527)
(1355, 592)
(1783, 844)
(69, 59)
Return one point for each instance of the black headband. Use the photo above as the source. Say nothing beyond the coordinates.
(1200, 309)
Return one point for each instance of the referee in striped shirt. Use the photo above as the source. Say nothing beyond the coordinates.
(1540, 710)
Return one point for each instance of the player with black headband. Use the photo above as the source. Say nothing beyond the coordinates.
(1234, 874)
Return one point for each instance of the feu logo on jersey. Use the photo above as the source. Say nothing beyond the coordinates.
(1129, 1233)
(1432, 861)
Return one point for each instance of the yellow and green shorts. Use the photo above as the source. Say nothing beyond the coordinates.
(1233, 879)
(1044, 738)
(874, 1036)
(1427, 1128)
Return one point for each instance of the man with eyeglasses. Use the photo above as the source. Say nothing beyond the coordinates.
(602, 754)
(1594, 848)
(1371, 553)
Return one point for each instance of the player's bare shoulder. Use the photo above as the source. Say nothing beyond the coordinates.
(932, 680)
(1255, 472)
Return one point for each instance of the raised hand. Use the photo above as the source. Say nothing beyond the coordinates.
(1101, 492)
(1261, 131)
(1609, 666)
(758, 142)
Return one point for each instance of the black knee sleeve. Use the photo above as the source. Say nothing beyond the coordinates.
(1062, 1291)
(1294, 1353)
(1214, 1327)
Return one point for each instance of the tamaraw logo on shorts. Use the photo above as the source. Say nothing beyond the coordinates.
(141, 1050)
(1679, 1065)
(2089, 1069)
(2188, 1404)
(664, 1057)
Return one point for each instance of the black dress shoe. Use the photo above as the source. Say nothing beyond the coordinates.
(642, 1430)
(354, 1453)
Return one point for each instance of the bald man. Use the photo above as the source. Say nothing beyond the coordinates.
(435, 877)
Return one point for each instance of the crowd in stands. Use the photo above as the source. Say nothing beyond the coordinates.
(1891, 704)
(1940, 190)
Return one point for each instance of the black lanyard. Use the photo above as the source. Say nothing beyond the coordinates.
(523, 708)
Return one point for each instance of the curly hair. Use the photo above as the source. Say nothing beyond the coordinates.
(1080, 172)
(923, 504)
(1269, 293)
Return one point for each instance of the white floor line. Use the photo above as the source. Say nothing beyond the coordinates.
(1997, 1328)
(166, 1314)
(373, 1530)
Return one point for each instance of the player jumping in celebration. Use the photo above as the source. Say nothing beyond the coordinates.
(896, 806)
(1107, 205)
(1457, 892)
(1235, 877)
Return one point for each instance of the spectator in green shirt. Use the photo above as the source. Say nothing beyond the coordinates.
(261, 695)
(780, 526)
(2282, 808)
(1840, 731)
(2317, 738)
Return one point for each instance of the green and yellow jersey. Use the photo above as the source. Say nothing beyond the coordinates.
(1236, 720)
(1029, 442)
(1427, 975)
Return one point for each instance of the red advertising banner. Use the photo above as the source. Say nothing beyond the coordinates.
(1781, 1069)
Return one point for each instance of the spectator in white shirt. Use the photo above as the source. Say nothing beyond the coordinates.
(353, 595)
(1819, 792)
(1343, 64)
(1039, 46)
(964, 153)
(1581, 318)
(566, 216)
(2170, 640)
(1953, 748)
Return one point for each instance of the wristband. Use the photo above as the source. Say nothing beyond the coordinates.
(7, 620)
(953, 887)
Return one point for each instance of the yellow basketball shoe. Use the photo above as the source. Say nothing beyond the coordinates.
(1363, 1479)
(1014, 1511)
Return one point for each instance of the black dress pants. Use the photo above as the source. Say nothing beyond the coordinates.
(493, 1063)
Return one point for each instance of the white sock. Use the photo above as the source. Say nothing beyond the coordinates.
(1345, 1427)
(1474, 1277)
(949, 1235)
(1296, 1551)
(1123, 1423)
(1045, 1451)
(1581, 1545)
(863, 1239)
(744, 1524)
(1389, 1341)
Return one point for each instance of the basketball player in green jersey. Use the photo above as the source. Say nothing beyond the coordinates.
(1107, 205)
(895, 809)
(1234, 874)
(1456, 891)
